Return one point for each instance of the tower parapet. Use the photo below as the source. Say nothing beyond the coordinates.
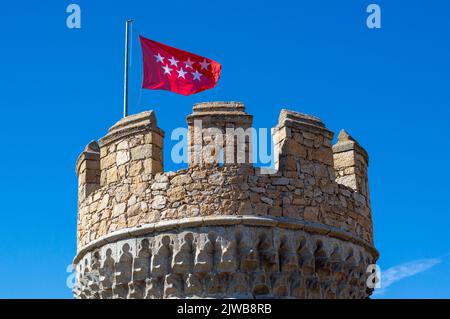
(88, 170)
(304, 145)
(351, 162)
(219, 132)
(132, 149)
(226, 230)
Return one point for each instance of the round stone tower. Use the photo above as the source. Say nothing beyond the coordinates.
(222, 228)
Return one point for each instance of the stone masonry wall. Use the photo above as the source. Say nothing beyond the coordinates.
(304, 187)
(221, 191)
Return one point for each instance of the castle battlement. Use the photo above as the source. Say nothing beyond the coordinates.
(311, 213)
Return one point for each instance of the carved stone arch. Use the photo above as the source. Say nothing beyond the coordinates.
(182, 261)
(320, 256)
(280, 284)
(80, 273)
(78, 284)
(226, 245)
(302, 243)
(337, 262)
(361, 271)
(141, 268)
(335, 276)
(79, 269)
(238, 286)
(173, 286)
(260, 284)
(268, 255)
(123, 271)
(85, 267)
(360, 255)
(95, 260)
(124, 265)
(193, 286)
(352, 264)
(351, 260)
(84, 277)
(93, 277)
(287, 256)
(287, 264)
(279, 237)
(257, 261)
(162, 256)
(204, 254)
(305, 256)
(297, 286)
(336, 252)
(144, 247)
(154, 287)
(216, 284)
(247, 251)
(107, 271)
(215, 250)
(323, 268)
(313, 286)
(330, 289)
(368, 260)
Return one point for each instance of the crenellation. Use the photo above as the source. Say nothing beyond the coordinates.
(144, 222)
(132, 148)
(224, 121)
(303, 144)
(351, 163)
(88, 171)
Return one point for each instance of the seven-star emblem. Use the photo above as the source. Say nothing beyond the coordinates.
(172, 69)
(204, 65)
(159, 58)
(173, 61)
(189, 63)
(196, 75)
(167, 70)
(181, 73)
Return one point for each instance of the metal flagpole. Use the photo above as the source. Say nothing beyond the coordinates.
(125, 83)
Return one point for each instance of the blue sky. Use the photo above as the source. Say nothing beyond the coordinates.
(61, 88)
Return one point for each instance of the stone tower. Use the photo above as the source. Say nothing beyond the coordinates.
(223, 229)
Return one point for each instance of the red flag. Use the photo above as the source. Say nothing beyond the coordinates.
(171, 69)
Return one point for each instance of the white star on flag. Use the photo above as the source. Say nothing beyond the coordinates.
(159, 58)
(204, 65)
(167, 70)
(196, 75)
(173, 61)
(181, 73)
(189, 63)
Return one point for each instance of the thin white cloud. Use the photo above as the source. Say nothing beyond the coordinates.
(405, 270)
